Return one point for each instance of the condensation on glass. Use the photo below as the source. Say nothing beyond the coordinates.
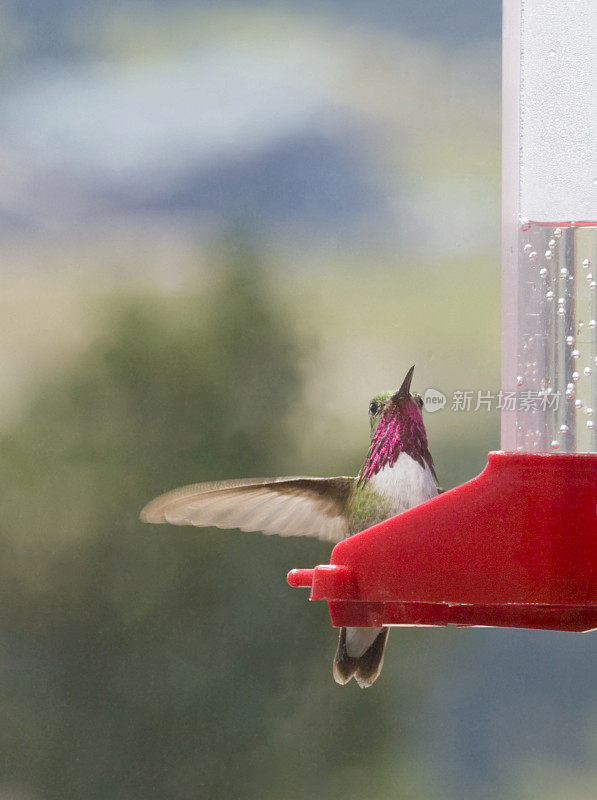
(549, 327)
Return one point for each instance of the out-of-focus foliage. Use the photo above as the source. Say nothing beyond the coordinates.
(144, 661)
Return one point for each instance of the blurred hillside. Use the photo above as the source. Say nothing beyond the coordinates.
(355, 155)
(293, 124)
(135, 137)
(48, 28)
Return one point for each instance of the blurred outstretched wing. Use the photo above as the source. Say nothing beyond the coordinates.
(286, 506)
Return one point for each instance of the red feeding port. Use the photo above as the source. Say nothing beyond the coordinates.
(516, 546)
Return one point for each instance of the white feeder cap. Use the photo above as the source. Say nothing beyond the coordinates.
(558, 111)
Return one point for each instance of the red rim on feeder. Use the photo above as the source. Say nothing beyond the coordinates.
(517, 545)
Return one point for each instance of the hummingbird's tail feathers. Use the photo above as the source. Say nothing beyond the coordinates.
(345, 666)
(371, 662)
(365, 668)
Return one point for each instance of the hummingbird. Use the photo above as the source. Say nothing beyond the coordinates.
(397, 474)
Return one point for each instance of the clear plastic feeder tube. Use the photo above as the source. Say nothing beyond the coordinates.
(549, 218)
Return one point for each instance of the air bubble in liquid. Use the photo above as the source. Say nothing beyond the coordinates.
(558, 350)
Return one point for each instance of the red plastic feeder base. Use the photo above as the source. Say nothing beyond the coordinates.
(514, 547)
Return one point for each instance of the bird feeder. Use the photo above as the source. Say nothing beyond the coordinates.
(517, 545)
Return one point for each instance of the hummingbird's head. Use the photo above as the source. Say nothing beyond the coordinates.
(399, 403)
(396, 427)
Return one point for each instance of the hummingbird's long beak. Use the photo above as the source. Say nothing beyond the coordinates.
(404, 390)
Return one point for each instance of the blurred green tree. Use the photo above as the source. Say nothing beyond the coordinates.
(142, 662)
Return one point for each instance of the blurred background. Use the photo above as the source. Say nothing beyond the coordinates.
(224, 227)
